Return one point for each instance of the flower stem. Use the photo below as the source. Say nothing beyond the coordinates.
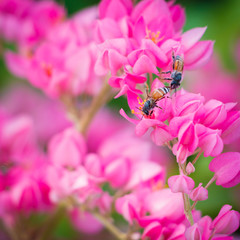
(187, 208)
(196, 158)
(97, 102)
(210, 181)
(51, 223)
(186, 200)
(109, 226)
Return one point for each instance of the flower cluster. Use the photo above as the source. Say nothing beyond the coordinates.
(92, 166)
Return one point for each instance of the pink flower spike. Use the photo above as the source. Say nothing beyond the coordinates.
(181, 183)
(227, 221)
(190, 168)
(226, 168)
(152, 231)
(193, 233)
(199, 194)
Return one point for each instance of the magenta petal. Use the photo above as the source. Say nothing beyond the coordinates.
(199, 194)
(114, 9)
(112, 169)
(180, 183)
(227, 221)
(152, 231)
(16, 63)
(198, 55)
(227, 169)
(191, 37)
(161, 135)
(231, 127)
(145, 124)
(134, 121)
(144, 65)
(156, 51)
(193, 233)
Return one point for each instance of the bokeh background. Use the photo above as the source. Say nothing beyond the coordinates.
(222, 17)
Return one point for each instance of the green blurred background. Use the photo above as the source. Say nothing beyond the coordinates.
(223, 20)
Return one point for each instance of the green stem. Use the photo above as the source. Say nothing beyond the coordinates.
(210, 181)
(97, 102)
(187, 208)
(109, 226)
(51, 223)
(186, 200)
(196, 158)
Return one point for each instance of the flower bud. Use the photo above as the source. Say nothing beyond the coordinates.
(199, 194)
(190, 168)
(181, 183)
(227, 221)
(193, 233)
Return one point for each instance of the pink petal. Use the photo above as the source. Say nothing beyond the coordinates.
(145, 124)
(198, 55)
(191, 37)
(180, 183)
(227, 168)
(144, 65)
(152, 231)
(134, 121)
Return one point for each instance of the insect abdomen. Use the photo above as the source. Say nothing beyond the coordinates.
(160, 93)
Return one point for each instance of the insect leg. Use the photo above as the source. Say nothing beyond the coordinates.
(166, 72)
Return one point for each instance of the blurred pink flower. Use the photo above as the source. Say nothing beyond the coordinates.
(35, 19)
(85, 222)
(226, 168)
(67, 149)
(193, 233)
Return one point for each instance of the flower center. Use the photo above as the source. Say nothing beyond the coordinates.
(141, 103)
(48, 69)
(155, 37)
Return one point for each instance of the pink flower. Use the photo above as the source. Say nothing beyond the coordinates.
(231, 127)
(180, 183)
(226, 168)
(209, 140)
(193, 233)
(227, 221)
(215, 113)
(190, 168)
(15, 104)
(111, 172)
(199, 193)
(115, 9)
(17, 138)
(196, 53)
(165, 205)
(66, 183)
(67, 149)
(152, 231)
(85, 222)
(35, 19)
(125, 204)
